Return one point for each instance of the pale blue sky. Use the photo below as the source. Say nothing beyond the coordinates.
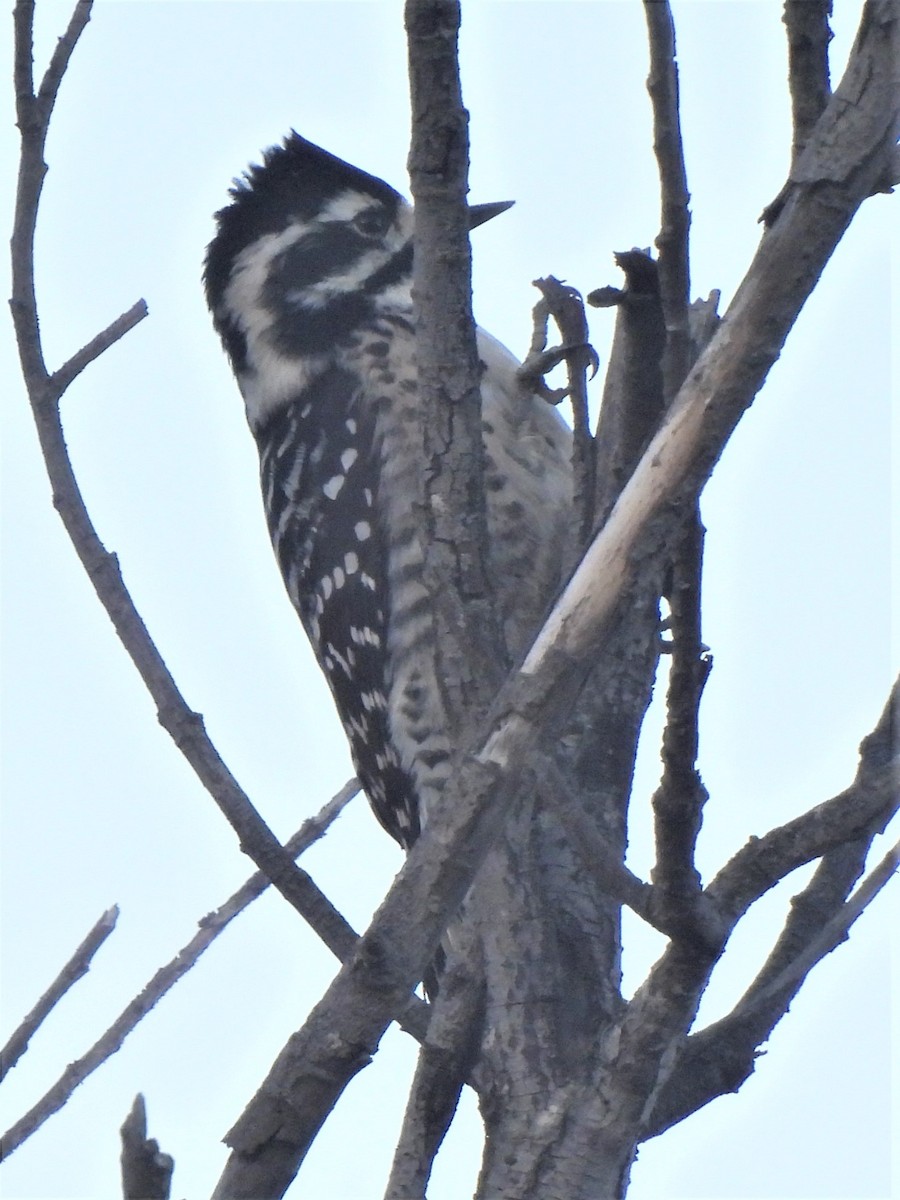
(164, 104)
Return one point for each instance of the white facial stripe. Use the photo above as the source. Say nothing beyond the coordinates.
(249, 274)
(346, 206)
(275, 377)
(317, 295)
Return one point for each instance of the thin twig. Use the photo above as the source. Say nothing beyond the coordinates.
(59, 61)
(70, 370)
(77, 966)
(721, 1057)
(673, 239)
(32, 118)
(167, 976)
(872, 797)
(23, 68)
(808, 35)
(825, 893)
(835, 930)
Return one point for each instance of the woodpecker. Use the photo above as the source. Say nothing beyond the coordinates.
(308, 279)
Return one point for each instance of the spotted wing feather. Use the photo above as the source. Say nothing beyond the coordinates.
(321, 502)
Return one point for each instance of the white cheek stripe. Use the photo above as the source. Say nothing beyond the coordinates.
(241, 299)
(318, 295)
(345, 206)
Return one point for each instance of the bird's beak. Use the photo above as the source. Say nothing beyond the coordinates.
(479, 213)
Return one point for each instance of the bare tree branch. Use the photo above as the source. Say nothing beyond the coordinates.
(23, 62)
(822, 161)
(604, 865)
(33, 118)
(871, 800)
(467, 630)
(184, 726)
(146, 1171)
(673, 239)
(722, 1057)
(59, 60)
(658, 1017)
(837, 929)
(678, 802)
(446, 1059)
(77, 966)
(856, 141)
(695, 918)
(839, 926)
(414, 1020)
(813, 908)
(98, 345)
(808, 36)
(648, 1056)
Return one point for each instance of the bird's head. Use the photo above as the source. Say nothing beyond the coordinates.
(302, 230)
(307, 249)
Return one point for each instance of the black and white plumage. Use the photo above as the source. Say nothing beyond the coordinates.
(308, 278)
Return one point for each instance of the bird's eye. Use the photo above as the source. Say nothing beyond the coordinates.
(372, 222)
